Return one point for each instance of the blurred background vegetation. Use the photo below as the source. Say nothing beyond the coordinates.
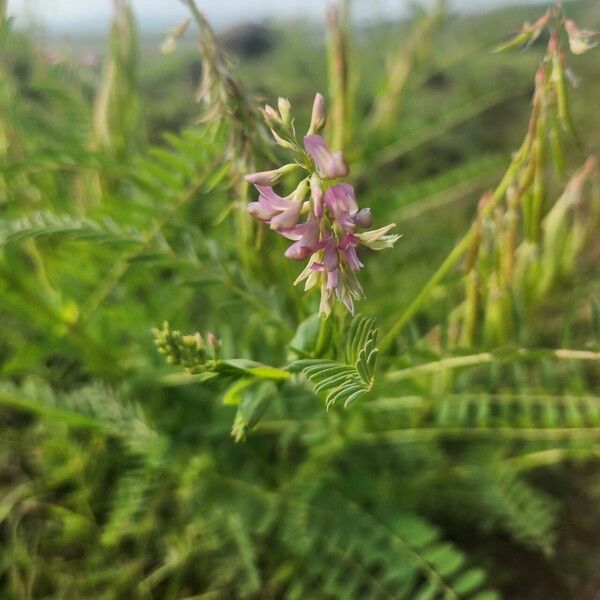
(122, 206)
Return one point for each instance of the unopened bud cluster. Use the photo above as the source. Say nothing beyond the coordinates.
(188, 351)
(329, 235)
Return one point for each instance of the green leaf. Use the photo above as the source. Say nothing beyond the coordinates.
(253, 404)
(469, 581)
(233, 394)
(234, 366)
(345, 382)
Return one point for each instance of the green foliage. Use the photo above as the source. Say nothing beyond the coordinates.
(510, 503)
(46, 224)
(345, 382)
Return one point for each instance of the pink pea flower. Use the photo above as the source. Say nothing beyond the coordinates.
(277, 212)
(307, 239)
(343, 208)
(329, 166)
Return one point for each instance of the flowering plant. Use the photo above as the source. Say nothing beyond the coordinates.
(330, 233)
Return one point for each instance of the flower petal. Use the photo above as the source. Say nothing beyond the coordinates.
(329, 166)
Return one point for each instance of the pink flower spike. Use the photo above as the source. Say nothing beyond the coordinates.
(329, 166)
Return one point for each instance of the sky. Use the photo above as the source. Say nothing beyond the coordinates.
(70, 15)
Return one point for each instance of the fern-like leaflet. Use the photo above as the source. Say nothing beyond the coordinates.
(345, 382)
(45, 224)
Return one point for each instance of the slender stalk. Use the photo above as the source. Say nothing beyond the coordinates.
(407, 436)
(470, 360)
(545, 458)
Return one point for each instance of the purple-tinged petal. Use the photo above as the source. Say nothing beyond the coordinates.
(363, 218)
(331, 258)
(258, 211)
(329, 166)
(292, 233)
(262, 177)
(298, 252)
(307, 231)
(348, 246)
(316, 193)
(333, 279)
(288, 217)
(270, 198)
(349, 241)
(352, 259)
(307, 244)
(341, 199)
(319, 115)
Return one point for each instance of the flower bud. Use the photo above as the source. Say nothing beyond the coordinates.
(285, 110)
(270, 177)
(193, 341)
(213, 343)
(262, 177)
(319, 115)
(270, 115)
(281, 142)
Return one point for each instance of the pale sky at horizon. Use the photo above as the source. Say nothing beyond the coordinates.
(163, 14)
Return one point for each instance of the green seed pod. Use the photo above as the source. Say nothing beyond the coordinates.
(556, 148)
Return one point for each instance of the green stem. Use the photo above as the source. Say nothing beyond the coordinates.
(400, 436)
(470, 360)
